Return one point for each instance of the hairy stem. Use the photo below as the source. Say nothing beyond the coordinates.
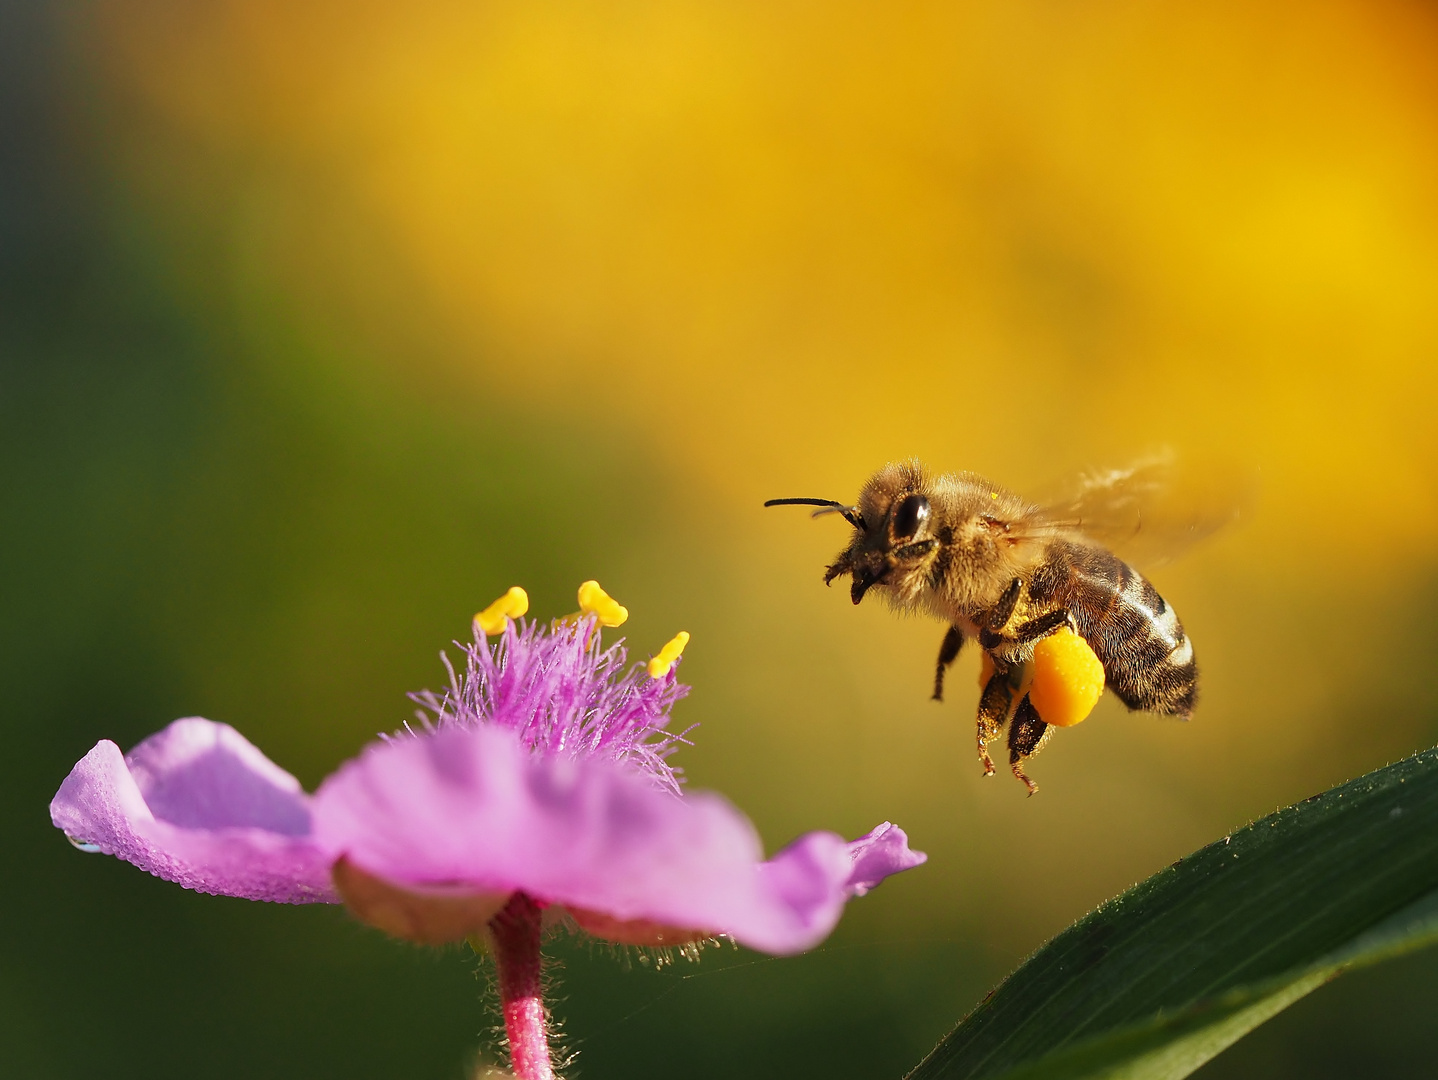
(515, 936)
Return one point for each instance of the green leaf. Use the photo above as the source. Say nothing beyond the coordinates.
(1160, 979)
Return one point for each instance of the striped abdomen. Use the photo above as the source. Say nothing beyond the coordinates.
(1147, 659)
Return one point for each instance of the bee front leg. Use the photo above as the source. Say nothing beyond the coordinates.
(1027, 735)
(994, 705)
(948, 652)
(1003, 611)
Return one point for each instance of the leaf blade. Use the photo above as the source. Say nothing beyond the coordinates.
(1160, 979)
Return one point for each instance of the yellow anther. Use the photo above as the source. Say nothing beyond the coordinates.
(993, 494)
(660, 665)
(1067, 679)
(511, 605)
(595, 601)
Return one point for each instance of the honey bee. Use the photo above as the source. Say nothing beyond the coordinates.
(1009, 573)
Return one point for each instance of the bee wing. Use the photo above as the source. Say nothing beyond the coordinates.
(1151, 511)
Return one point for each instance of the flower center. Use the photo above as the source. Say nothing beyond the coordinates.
(561, 690)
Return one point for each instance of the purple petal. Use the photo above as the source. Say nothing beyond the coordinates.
(473, 809)
(881, 852)
(808, 876)
(199, 805)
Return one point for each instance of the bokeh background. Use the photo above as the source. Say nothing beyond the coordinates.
(322, 323)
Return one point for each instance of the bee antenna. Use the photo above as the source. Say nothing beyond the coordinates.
(826, 506)
(830, 503)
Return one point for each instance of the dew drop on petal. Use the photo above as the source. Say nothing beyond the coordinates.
(83, 845)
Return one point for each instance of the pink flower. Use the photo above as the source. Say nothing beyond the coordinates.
(537, 790)
(433, 835)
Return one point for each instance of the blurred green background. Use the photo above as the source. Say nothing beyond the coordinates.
(321, 324)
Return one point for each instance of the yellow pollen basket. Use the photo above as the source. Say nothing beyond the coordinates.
(664, 661)
(1068, 679)
(595, 601)
(511, 605)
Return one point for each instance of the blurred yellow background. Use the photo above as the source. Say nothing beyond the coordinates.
(544, 291)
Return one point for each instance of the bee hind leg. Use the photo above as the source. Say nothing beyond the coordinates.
(948, 652)
(1027, 735)
(994, 705)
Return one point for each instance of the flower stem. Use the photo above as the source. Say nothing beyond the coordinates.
(515, 935)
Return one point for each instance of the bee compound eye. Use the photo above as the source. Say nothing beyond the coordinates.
(910, 516)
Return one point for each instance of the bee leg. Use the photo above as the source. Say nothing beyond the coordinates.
(1003, 611)
(948, 651)
(994, 705)
(1041, 627)
(1027, 735)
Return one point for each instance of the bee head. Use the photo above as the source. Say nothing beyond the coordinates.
(893, 545)
(947, 544)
